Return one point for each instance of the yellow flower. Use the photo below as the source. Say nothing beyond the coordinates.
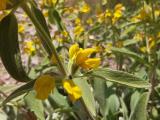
(77, 21)
(144, 14)
(158, 35)
(143, 49)
(157, 13)
(29, 47)
(73, 90)
(49, 2)
(90, 21)
(78, 30)
(85, 8)
(139, 36)
(45, 13)
(119, 44)
(65, 33)
(101, 17)
(151, 40)
(108, 13)
(108, 48)
(3, 4)
(20, 28)
(119, 7)
(118, 12)
(43, 86)
(73, 50)
(91, 63)
(69, 10)
(81, 57)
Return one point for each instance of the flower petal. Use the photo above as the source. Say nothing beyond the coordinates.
(83, 55)
(91, 63)
(43, 86)
(73, 90)
(73, 50)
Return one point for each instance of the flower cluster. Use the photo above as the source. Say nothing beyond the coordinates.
(45, 85)
(112, 15)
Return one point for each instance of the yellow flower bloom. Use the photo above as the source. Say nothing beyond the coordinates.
(108, 13)
(151, 40)
(3, 4)
(108, 48)
(49, 2)
(81, 57)
(144, 14)
(119, 7)
(119, 44)
(118, 12)
(45, 13)
(78, 30)
(158, 35)
(73, 90)
(29, 47)
(143, 49)
(77, 21)
(157, 13)
(73, 50)
(20, 28)
(43, 86)
(139, 36)
(90, 21)
(83, 54)
(65, 33)
(91, 63)
(85, 8)
(101, 17)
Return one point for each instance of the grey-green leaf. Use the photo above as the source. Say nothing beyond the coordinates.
(126, 52)
(120, 77)
(140, 111)
(87, 94)
(19, 91)
(100, 88)
(35, 105)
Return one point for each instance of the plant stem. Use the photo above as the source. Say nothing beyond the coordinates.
(47, 40)
(152, 75)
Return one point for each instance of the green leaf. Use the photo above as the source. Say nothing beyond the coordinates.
(20, 91)
(120, 77)
(128, 53)
(128, 30)
(55, 17)
(87, 94)
(129, 42)
(35, 105)
(113, 104)
(140, 111)
(9, 48)
(100, 88)
(134, 99)
(57, 100)
(124, 109)
(41, 19)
